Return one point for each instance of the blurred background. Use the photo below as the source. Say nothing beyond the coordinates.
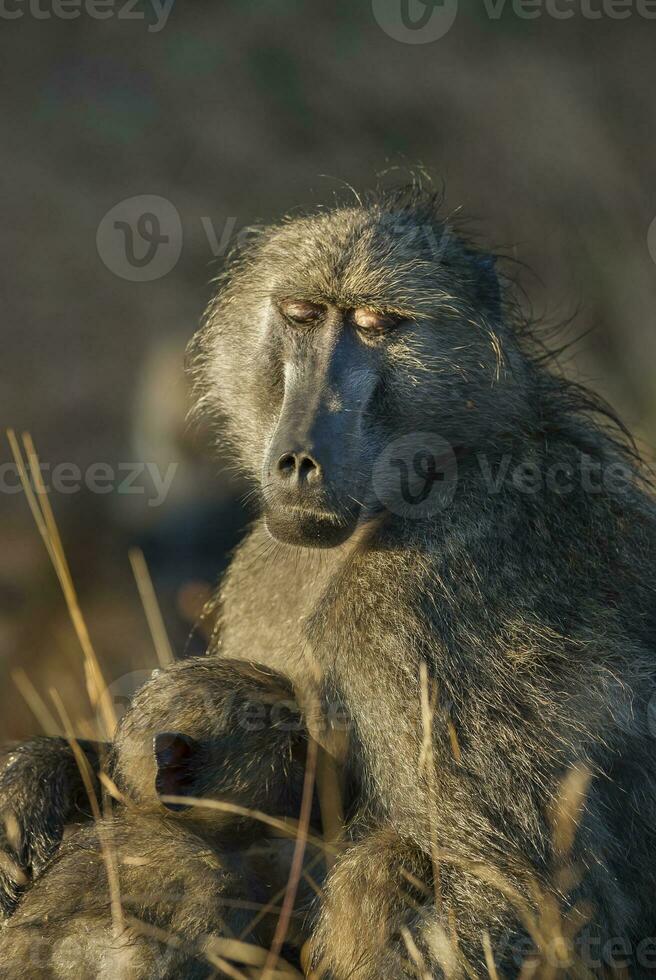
(543, 130)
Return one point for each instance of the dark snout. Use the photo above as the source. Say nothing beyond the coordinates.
(315, 462)
(308, 450)
(307, 502)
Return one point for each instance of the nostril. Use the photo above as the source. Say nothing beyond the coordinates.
(300, 467)
(308, 469)
(287, 464)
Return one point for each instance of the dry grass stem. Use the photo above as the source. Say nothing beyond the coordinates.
(427, 762)
(287, 827)
(35, 702)
(414, 954)
(297, 859)
(109, 857)
(151, 607)
(47, 527)
(272, 904)
(489, 957)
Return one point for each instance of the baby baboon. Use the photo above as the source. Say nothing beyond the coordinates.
(178, 877)
(456, 546)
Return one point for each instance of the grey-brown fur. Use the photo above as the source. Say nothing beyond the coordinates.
(533, 612)
(185, 877)
(41, 790)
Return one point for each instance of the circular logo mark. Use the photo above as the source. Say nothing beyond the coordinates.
(140, 239)
(651, 240)
(416, 475)
(415, 21)
(121, 691)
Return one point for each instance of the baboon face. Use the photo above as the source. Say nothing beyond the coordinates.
(317, 460)
(339, 333)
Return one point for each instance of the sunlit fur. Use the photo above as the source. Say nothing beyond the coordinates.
(534, 612)
(182, 877)
(531, 615)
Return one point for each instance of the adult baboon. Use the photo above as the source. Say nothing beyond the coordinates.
(146, 892)
(457, 549)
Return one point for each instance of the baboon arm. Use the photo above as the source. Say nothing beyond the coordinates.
(384, 918)
(41, 790)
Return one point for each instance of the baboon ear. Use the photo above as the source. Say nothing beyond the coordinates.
(175, 765)
(487, 289)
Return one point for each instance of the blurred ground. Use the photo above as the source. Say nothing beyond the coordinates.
(544, 131)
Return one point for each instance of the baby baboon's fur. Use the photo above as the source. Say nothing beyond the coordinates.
(487, 650)
(41, 790)
(186, 876)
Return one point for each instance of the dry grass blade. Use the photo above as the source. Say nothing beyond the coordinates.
(489, 957)
(173, 941)
(530, 968)
(47, 527)
(272, 904)
(242, 903)
(289, 828)
(416, 882)
(495, 879)
(318, 891)
(553, 949)
(248, 955)
(109, 858)
(151, 607)
(297, 859)
(455, 744)
(35, 702)
(227, 969)
(427, 762)
(329, 790)
(568, 809)
(110, 787)
(414, 954)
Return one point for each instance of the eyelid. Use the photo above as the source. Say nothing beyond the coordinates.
(300, 310)
(374, 321)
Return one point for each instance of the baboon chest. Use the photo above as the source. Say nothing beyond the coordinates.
(308, 615)
(268, 605)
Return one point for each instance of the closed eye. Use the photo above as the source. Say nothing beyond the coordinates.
(300, 311)
(371, 321)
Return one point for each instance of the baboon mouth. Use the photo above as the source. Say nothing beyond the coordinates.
(309, 528)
